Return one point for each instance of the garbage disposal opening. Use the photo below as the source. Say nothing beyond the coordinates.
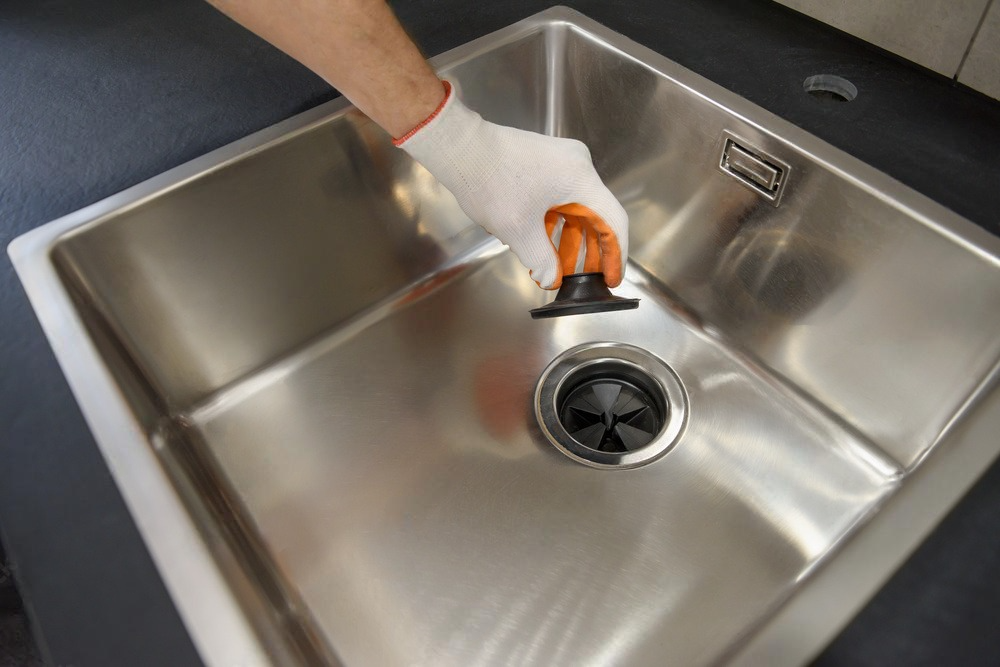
(611, 405)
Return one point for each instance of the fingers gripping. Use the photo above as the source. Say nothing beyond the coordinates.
(603, 247)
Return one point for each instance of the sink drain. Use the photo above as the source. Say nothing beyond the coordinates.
(610, 405)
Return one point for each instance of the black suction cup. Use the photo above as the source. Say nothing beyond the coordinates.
(583, 293)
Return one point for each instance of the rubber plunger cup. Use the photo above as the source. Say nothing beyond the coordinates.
(583, 293)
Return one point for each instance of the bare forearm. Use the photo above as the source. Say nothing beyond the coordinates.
(358, 46)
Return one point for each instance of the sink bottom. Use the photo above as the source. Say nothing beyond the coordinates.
(400, 491)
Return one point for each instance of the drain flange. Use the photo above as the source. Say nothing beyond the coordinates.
(610, 405)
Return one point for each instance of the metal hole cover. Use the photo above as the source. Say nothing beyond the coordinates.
(830, 87)
(610, 405)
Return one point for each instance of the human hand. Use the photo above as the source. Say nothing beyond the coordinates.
(519, 185)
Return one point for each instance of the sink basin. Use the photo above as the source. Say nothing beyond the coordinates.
(316, 381)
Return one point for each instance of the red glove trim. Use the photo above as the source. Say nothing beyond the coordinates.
(447, 94)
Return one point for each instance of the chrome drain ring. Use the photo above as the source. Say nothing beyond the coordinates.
(611, 405)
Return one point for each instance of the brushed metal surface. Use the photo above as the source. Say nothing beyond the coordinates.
(313, 379)
(399, 476)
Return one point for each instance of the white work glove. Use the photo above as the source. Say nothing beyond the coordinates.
(519, 186)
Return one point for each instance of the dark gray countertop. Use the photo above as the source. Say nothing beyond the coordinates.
(98, 96)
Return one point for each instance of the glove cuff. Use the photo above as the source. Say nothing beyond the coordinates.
(399, 141)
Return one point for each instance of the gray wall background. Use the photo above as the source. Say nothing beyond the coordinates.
(957, 38)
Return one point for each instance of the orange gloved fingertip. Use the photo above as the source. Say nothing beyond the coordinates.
(603, 250)
(578, 210)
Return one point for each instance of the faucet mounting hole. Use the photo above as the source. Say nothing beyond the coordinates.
(830, 87)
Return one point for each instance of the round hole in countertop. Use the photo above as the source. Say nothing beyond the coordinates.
(830, 87)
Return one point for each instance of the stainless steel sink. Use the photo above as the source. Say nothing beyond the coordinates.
(315, 380)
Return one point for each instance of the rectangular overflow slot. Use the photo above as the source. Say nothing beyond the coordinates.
(755, 169)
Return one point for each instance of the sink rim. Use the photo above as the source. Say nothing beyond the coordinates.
(214, 617)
